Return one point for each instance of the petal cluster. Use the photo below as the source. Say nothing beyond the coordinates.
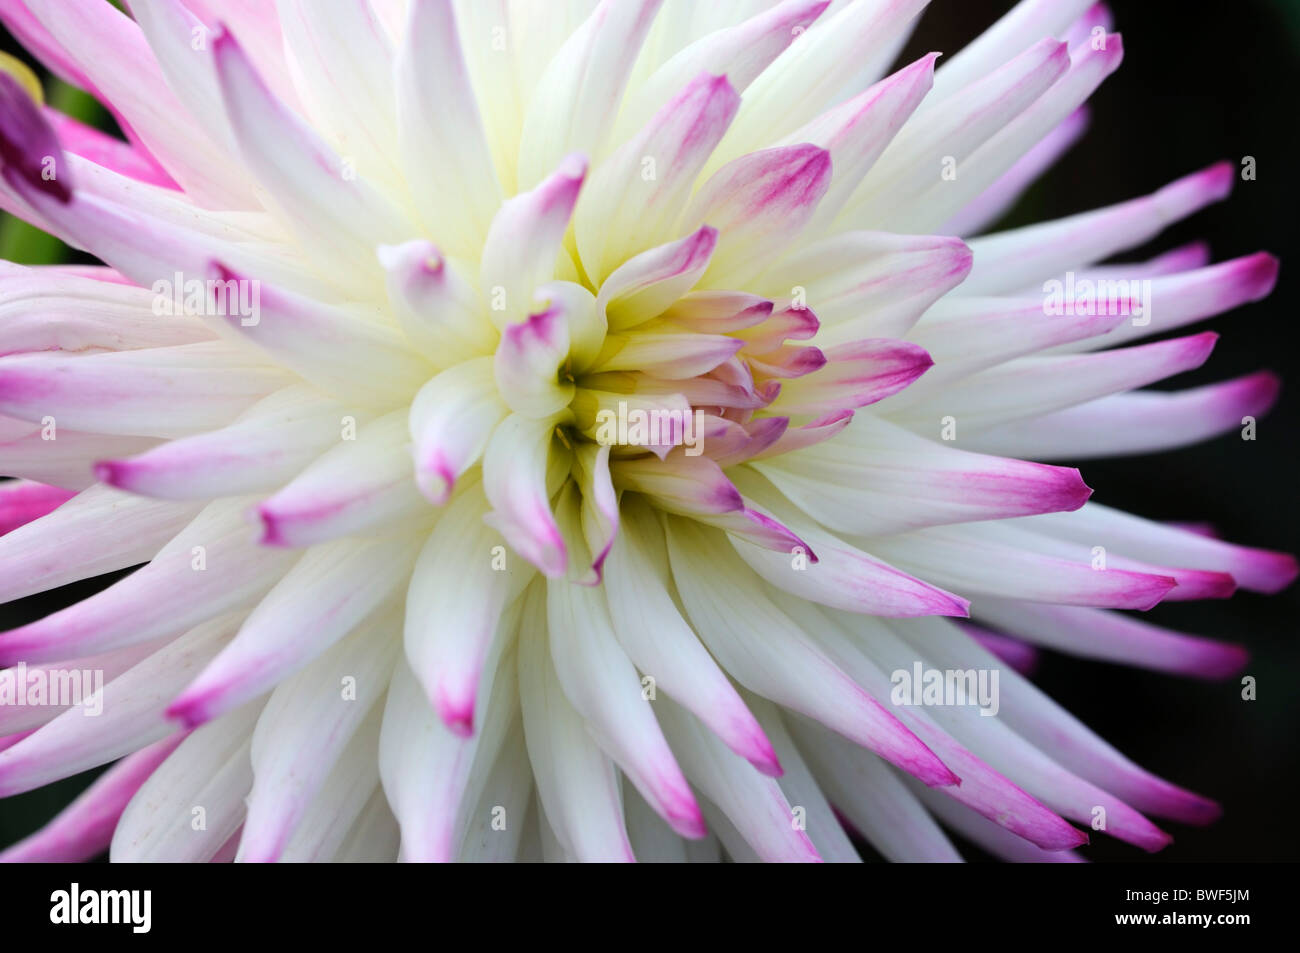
(549, 430)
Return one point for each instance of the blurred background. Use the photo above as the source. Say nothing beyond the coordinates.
(1201, 81)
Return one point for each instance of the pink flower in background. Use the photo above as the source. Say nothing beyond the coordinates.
(569, 431)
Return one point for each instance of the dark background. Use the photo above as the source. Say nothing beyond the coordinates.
(1202, 80)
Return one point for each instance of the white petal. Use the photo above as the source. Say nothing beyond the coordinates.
(206, 569)
(119, 718)
(873, 798)
(519, 476)
(341, 61)
(604, 687)
(342, 798)
(803, 791)
(753, 803)
(496, 825)
(577, 97)
(769, 654)
(302, 733)
(209, 773)
(358, 487)
(333, 588)
(574, 777)
(463, 581)
(524, 241)
(97, 531)
(660, 642)
(443, 145)
(634, 197)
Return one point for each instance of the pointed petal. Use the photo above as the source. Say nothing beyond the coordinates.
(1023, 257)
(964, 559)
(524, 240)
(516, 468)
(332, 210)
(85, 827)
(647, 284)
(855, 375)
(452, 418)
(1134, 423)
(303, 731)
(119, 718)
(333, 588)
(758, 203)
(577, 780)
(358, 487)
(443, 144)
(604, 687)
(754, 804)
(87, 536)
(267, 446)
(576, 99)
(157, 392)
(436, 305)
(205, 570)
(770, 655)
(659, 641)
(209, 769)
(876, 480)
(462, 583)
(637, 194)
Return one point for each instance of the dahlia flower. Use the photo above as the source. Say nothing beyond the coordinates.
(561, 430)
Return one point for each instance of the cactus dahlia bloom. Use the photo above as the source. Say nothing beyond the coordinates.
(547, 430)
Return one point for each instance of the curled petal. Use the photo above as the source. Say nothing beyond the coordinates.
(518, 477)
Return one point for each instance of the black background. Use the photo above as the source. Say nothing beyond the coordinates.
(1202, 80)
